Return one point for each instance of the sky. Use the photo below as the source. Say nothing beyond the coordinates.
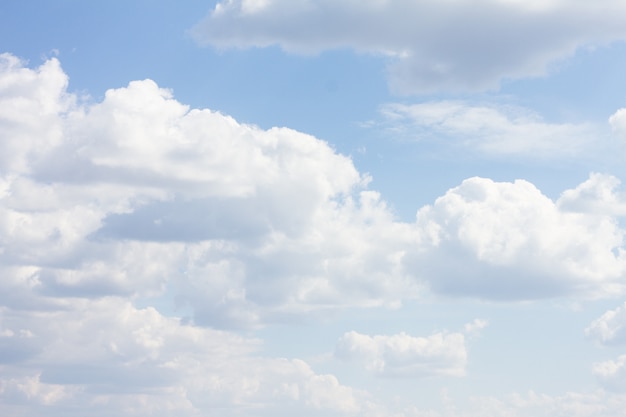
(378, 208)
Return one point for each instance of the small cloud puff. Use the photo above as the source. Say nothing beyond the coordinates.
(404, 355)
(475, 326)
(610, 328)
(612, 374)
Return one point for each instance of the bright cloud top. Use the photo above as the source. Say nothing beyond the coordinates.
(610, 330)
(461, 45)
(509, 241)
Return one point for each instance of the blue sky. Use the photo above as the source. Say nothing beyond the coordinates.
(381, 208)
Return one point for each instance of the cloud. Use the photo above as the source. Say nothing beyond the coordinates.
(140, 200)
(431, 45)
(475, 326)
(488, 129)
(138, 192)
(31, 101)
(610, 328)
(597, 195)
(508, 241)
(618, 122)
(134, 361)
(405, 355)
(612, 374)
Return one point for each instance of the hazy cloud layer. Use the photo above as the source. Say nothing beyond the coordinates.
(432, 45)
(600, 195)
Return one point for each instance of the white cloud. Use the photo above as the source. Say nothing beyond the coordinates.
(31, 101)
(475, 326)
(597, 195)
(133, 361)
(247, 225)
(432, 45)
(489, 129)
(509, 241)
(139, 193)
(139, 199)
(610, 328)
(405, 355)
(612, 374)
(618, 122)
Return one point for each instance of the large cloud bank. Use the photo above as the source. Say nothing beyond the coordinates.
(434, 45)
(139, 200)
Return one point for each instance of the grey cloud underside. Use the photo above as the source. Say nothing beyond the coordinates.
(467, 278)
(432, 45)
(188, 221)
(104, 379)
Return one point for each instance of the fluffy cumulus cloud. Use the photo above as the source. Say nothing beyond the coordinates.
(618, 122)
(612, 374)
(256, 225)
(404, 355)
(433, 45)
(140, 200)
(488, 129)
(509, 241)
(610, 328)
(108, 357)
(600, 194)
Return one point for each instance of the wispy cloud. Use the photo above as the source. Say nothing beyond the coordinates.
(489, 129)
